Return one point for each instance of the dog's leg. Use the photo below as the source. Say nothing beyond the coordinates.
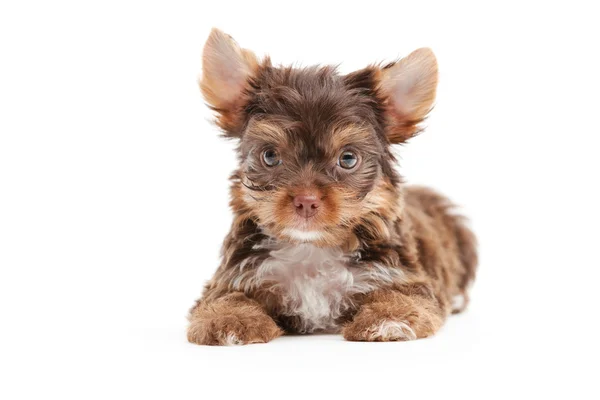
(391, 315)
(233, 319)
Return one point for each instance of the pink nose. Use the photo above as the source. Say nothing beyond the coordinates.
(306, 205)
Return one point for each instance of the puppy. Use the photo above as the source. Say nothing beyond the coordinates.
(325, 237)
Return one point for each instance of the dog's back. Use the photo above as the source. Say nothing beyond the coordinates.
(447, 247)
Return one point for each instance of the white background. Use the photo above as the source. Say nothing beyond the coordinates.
(114, 192)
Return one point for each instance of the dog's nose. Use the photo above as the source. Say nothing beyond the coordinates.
(306, 205)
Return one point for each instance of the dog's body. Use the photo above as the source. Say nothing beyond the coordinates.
(325, 237)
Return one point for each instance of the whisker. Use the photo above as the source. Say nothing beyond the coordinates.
(269, 186)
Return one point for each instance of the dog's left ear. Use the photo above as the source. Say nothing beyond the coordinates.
(226, 70)
(409, 86)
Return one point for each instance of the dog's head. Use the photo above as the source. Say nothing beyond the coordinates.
(314, 145)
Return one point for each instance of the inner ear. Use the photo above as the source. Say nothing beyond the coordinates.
(410, 87)
(226, 69)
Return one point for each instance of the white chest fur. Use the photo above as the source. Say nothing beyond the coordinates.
(317, 284)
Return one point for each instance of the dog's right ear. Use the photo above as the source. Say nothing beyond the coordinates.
(226, 69)
(410, 86)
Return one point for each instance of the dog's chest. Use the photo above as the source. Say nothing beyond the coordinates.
(315, 285)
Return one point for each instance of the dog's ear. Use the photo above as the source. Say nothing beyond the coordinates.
(409, 86)
(226, 69)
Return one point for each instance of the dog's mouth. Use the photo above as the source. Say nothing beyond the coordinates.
(304, 229)
(307, 216)
(303, 235)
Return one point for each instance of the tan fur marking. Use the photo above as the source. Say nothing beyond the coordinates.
(232, 319)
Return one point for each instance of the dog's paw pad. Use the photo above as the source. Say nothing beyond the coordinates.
(388, 330)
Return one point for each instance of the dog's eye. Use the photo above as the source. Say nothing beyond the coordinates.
(348, 160)
(271, 158)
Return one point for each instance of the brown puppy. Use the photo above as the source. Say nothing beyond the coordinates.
(325, 237)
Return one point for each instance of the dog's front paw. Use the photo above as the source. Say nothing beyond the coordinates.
(231, 323)
(233, 329)
(393, 321)
(383, 330)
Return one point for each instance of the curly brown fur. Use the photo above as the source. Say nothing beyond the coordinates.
(320, 242)
(231, 319)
